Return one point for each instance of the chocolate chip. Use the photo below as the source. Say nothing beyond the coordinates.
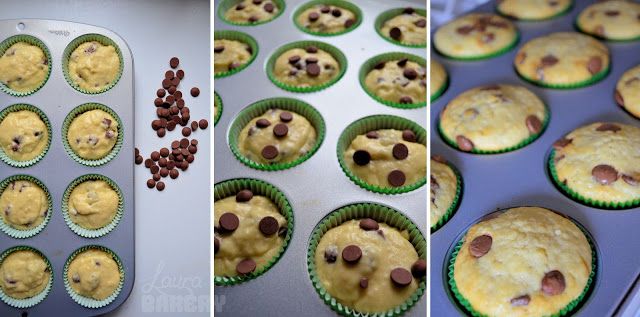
(619, 98)
(195, 92)
(256, 1)
(380, 65)
(216, 245)
(464, 30)
(400, 151)
(246, 266)
(408, 10)
(244, 196)
(409, 136)
(368, 224)
(348, 23)
(558, 145)
(218, 49)
(184, 143)
(174, 62)
(173, 173)
(166, 83)
(252, 19)
(402, 62)
(151, 183)
(608, 127)
(336, 12)
(180, 74)
(395, 33)
(533, 124)
(262, 123)
(604, 174)
(294, 59)
(325, 9)
(314, 16)
(269, 152)
(240, 7)
(280, 130)
(160, 186)
(361, 157)
(410, 73)
(268, 225)
(464, 144)
(374, 135)
(194, 125)
(549, 60)
(269, 7)
(311, 49)
(286, 116)
(311, 60)
(331, 254)
(480, 245)
(630, 180)
(612, 13)
(520, 300)
(553, 283)
(396, 178)
(406, 100)
(351, 254)
(164, 172)
(401, 277)
(421, 23)
(155, 155)
(364, 282)
(139, 159)
(229, 221)
(419, 268)
(313, 70)
(595, 65)
(186, 131)
(154, 169)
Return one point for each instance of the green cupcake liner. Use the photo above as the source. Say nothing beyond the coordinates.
(568, 310)
(389, 14)
(18, 107)
(4, 46)
(596, 78)
(231, 187)
(502, 51)
(259, 108)
(372, 62)
(456, 199)
(381, 214)
(217, 101)
(30, 301)
(80, 110)
(557, 15)
(332, 50)
(19, 233)
(440, 91)
(228, 4)
(66, 55)
(579, 28)
(338, 3)
(89, 302)
(377, 122)
(91, 233)
(240, 37)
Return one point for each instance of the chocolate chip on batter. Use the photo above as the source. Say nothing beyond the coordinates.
(311, 49)
(464, 30)
(553, 283)
(351, 254)
(174, 62)
(372, 135)
(229, 221)
(595, 65)
(325, 9)
(314, 16)
(262, 123)
(419, 268)
(410, 73)
(619, 98)
(313, 70)
(240, 7)
(401, 277)
(402, 62)
(421, 23)
(311, 60)
(630, 180)
(368, 224)
(395, 33)
(364, 282)
(604, 174)
(406, 100)
(348, 23)
(612, 13)
(464, 144)
(269, 152)
(534, 125)
(253, 19)
(331, 254)
(246, 266)
(280, 130)
(361, 157)
(216, 245)
(408, 10)
(269, 7)
(608, 127)
(218, 49)
(400, 151)
(521, 300)
(336, 12)
(409, 135)
(561, 143)
(294, 59)
(180, 74)
(396, 178)
(380, 65)
(268, 225)
(480, 245)
(549, 60)
(286, 116)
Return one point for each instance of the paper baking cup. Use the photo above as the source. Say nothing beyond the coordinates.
(435, 95)
(507, 48)
(80, 110)
(18, 107)
(4, 46)
(377, 122)
(66, 55)
(91, 233)
(19, 233)
(217, 101)
(332, 50)
(231, 188)
(389, 14)
(228, 4)
(338, 3)
(240, 37)
(568, 310)
(386, 57)
(381, 214)
(559, 14)
(30, 301)
(259, 108)
(594, 79)
(89, 302)
(456, 200)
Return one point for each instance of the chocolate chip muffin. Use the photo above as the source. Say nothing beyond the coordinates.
(526, 261)
(23, 135)
(93, 134)
(326, 19)
(94, 273)
(399, 81)
(23, 67)
(475, 35)
(93, 204)
(562, 59)
(94, 66)
(367, 266)
(252, 11)
(612, 20)
(533, 9)
(306, 67)
(229, 55)
(438, 79)
(627, 92)
(24, 274)
(24, 205)
(493, 118)
(444, 189)
(409, 28)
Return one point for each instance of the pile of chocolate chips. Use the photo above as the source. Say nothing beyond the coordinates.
(400, 152)
(395, 32)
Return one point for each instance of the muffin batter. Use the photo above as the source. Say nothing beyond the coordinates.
(614, 20)
(533, 9)
(444, 183)
(24, 274)
(93, 134)
(23, 67)
(93, 66)
(400, 81)
(230, 54)
(23, 135)
(252, 11)
(627, 92)
(94, 274)
(326, 19)
(438, 77)
(475, 35)
(93, 204)
(407, 28)
(305, 67)
(24, 205)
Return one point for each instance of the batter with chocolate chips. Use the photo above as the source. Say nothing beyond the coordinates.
(24, 274)
(326, 19)
(400, 81)
(627, 92)
(93, 204)
(306, 67)
(93, 134)
(252, 11)
(23, 67)
(613, 19)
(533, 9)
(407, 28)
(94, 66)
(444, 183)
(23, 135)
(230, 54)
(24, 205)
(94, 273)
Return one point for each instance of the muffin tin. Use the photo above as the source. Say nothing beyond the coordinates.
(57, 169)
(521, 177)
(317, 186)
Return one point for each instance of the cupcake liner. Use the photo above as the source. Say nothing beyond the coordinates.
(579, 28)
(339, 3)
(66, 55)
(80, 110)
(377, 122)
(30, 301)
(594, 79)
(559, 14)
(230, 188)
(18, 107)
(581, 199)
(568, 310)
(218, 101)
(240, 37)
(228, 4)
(389, 14)
(87, 301)
(514, 43)
(440, 91)
(4, 46)
(332, 50)
(372, 62)
(379, 213)
(19, 233)
(259, 108)
(456, 200)
(91, 233)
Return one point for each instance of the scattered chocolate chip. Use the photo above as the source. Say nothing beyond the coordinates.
(160, 186)
(169, 74)
(364, 282)
(480, 245)
(464, 144)
(183, 143)
(604, 174)
(313, 70)
(268, 225)
(286, 116)
(331, 254)
(396, 178)
(173, 173)
(195, 92)
(311, 60)
(553, 283)
(246, 266)
(139, 159)
(154, 169)
(186, 131)
(151, 183)
(194, 125)
(373, 135)
(533, 124)
(368, 224)
(314, 16)
(401, 277)
(244, 196)
(595, 65)
(409, 136)
(348, 23)
(262, 123)
(351, 254)
(229, 221)
(174, 62)
(155, 155)
(361, 157)
(164, 172)
(419, 268)
(608, 127)
(521, 300)
(269, 152)
(395, 33)
(280, 130)
(400, 151)
(180, 74)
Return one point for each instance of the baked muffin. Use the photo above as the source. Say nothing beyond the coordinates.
(24, 205)
(493, 118)
(588, 161)
(627, 92)
(23, 67)
(533, 9)
(408, 28)
(93, 204)
(444, 190)
(23, 135)
(326, 19)
(249, 233)
(562, 59)
(526, 261)
(94, 66)
(94, 273)
(399, 81)
(438, 79)
(612, 20)
(475, 35)
(93, 134)
(306, 67)
(252, 11)
(366, 265)
(229, 55)
(24, 274)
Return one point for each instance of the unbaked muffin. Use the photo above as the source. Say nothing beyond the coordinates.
(24, 205)
(24, 274)
(230, 54)
(93, 204)
(23, 135)
(94, 66)
(326, 19)
(409, 27)
(399, 81)
(24, 67)
(93, 134)
(94, 273)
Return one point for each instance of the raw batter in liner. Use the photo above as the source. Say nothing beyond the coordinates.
(23, 67)
(93, 134)
(23, 135)
(24, 274)
(251, 11)
(93, 204)
(326, 19)
(94, 273)
(230, 54)
(400, 81)
(306, 67)
(407, 28)
(93, 66)
(24, 205)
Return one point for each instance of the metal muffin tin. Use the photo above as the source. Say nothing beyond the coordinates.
(318, 186)
(521, 177)
(57, 169)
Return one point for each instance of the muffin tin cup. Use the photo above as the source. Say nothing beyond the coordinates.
(4, 46)
(240, 37)
(259, 108)
(217, 101)
(87, 301)
(381, 214)
(389, 14)
(502, 51)
(91, 233)
(557, 15)
(338, 3)
(377, 122)
(18, 107)
(594, 79)
(579, 28)
(438, 93)
(228, 4)
(372, 62)
(34, 300)
(456, 199)
(19, 233)
(80, 110)
(66, 55)
(332, 50)
(231, 187)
